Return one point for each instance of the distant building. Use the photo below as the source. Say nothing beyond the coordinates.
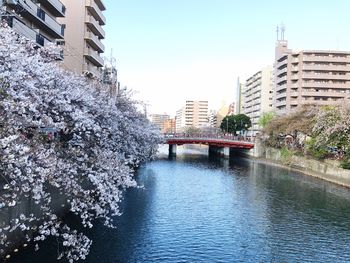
(83, 35)
(169, 126)
(222, 113)
(238, 104)
(213, 118)
(110, 77)
(318, 77)
(35, 19)
(193, 114)
(258, 97)
(159, 120)
(232, 109)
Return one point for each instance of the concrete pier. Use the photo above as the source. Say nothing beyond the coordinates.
(220, 151)
(172, 149)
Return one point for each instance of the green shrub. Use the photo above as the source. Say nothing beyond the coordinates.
(286, 155)
(345, 164)
(314, 151)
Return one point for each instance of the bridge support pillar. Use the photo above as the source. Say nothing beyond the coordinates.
(172, 149)
(221, 151)
(226, 152)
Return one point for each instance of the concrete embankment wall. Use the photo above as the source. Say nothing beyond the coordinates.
(327, 170)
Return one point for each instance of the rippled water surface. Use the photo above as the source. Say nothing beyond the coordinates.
(197, 209)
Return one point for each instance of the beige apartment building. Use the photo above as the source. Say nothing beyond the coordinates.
(159, 120)
(258, 97)
(193, 114)
(318, 77)
(83, 35)
(35, 19)
(169, 126)
(216, 116)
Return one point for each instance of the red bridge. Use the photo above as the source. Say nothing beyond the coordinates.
(219, 143)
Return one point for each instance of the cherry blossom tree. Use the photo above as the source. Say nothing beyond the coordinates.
(82, 165)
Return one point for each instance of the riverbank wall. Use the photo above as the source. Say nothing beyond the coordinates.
(328, 170)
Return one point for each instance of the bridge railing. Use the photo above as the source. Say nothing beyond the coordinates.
(229, 137)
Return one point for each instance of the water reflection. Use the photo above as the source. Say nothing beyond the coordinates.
(199, 209)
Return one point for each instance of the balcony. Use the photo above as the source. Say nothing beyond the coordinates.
(326, 76)
(294, 94)
(93, 56)
(100, 5)
(40, 18)
(294, 86)
(324, 85)
(281, 103)
(323, 94)
(94, 41)
(282, 79)
(281, 95)
(95, 27)
(326, 67)
(95, 11)
(282, 64)
(326, 59)
(320, 102)
(295, 102)
(23, 29)
(280, 72)
(55, 7)
(91, 70)
(294, 77)
(281, 87)
(28, 32)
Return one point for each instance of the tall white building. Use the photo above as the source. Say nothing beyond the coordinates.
(258, 96)
(193, 114)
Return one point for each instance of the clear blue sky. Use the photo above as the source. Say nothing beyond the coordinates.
(172, 50)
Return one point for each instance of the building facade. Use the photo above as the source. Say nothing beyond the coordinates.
(159, 120)
(35, 19)
(169, 126)
(258, 97)
(83, 35)
(317, 77)
(193, 114)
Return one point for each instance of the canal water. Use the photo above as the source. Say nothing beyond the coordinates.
(200, 209)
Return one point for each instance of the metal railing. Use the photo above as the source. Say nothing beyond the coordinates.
(209, 136)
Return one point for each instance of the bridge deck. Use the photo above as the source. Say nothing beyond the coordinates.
(225, 141)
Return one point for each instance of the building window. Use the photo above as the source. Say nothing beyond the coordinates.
(41, 14)
(63, 28)
(40, 40)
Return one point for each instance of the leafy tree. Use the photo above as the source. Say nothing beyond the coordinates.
(234, 123)
(192, 130)
(266, 118)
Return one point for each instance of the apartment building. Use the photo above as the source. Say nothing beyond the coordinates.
(169, 126)
(258, 96)
(213, 120)
(159, 120)
(193, 114)
(318, 77)
(239, 98)
(83, 35)
(35, 19)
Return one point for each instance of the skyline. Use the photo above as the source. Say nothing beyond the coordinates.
(170, 52)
